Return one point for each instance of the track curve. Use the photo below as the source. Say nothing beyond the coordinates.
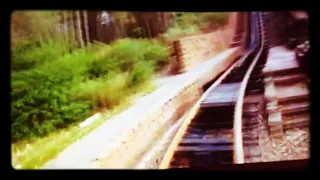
(213, 132)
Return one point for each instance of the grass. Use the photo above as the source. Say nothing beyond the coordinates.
(33, 154)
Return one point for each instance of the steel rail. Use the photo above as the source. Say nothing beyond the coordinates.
(237, 125)
(191, 114)
(165, 163)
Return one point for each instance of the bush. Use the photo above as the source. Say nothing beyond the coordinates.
(63, 90)
(177, 32)
(141, 72)
(43, 103)
(156, 52)
(124, 55)
(105, 92)
(188, 24)
(28, 54)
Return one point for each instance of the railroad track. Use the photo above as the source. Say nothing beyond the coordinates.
(220, 127)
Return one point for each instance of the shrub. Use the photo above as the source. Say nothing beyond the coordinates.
(28, 54)
(124, 55)
(141, 72)
(126, 52)
(188, 24)
(177, 32)
(105, 92)
(156, 52)
(41, 99)
(130, 61)
(44, 103)
(186, 19)
(61, 91)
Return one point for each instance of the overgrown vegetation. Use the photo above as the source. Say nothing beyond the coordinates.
(188, 24)
(66, 90)
(60, 76)
(35, 152)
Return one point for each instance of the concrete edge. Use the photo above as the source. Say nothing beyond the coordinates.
(123, 146)
(125, 151)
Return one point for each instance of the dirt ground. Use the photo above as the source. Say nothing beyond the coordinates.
(293, 146)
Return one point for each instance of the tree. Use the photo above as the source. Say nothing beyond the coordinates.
(80, 36)
(92, 22)
(85, 22)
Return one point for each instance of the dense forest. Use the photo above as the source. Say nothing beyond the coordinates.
(67, 65)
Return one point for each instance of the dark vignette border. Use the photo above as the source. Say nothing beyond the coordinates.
(178, 6)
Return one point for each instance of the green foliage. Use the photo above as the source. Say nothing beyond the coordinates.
(128, 55)
(27, 54)
(38, 26)
(213, 20)
(45, 105)
(52, 88)
(186, 19)
(156, 52)
(177, 32)
(41, 22)
(41, 101)
(142, 71)
(137, 32)
(65, 89)
(105, 92)
(218, 18)
(38, 37)
(192, 23)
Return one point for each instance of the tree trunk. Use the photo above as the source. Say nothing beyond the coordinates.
(75, 27)
(85, 16)
(155, 24)
(65, 23)
(122, 29)
(72, 32)
(164, 22)
(83, 29)
(79, 29)
(140, 21)
(92, 22)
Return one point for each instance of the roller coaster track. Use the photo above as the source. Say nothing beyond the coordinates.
(213, 133)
